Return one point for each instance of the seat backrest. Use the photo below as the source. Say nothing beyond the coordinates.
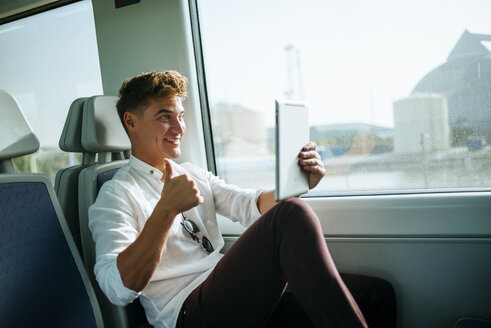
(17, 138)
(103, 133)
(133, 315)
(42, 278)
(66, 181)
(90, 182)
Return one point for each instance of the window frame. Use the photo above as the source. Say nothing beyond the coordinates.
(202, 86)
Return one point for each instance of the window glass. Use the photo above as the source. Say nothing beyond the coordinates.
(47, 61)
(399, 94)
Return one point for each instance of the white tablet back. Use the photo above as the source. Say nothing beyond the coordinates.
(292, 133)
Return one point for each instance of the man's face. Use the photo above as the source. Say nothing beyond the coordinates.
(156, 134)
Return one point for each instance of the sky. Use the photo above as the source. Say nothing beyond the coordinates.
(356, 57)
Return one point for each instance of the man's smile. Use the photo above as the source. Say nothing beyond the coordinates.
(174, 141)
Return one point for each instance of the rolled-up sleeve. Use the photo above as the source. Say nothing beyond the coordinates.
(233, 202)
(114, 228)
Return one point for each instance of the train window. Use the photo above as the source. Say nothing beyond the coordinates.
(399, 93)
(47, 61)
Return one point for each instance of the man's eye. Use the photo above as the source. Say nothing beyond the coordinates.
(164, 117)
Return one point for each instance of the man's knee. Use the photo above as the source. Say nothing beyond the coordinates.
(295, 211)
(295, 205)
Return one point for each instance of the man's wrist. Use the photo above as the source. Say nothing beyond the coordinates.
(164, 212)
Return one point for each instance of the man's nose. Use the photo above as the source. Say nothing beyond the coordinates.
(179, 125)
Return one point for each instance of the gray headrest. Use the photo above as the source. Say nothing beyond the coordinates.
(102, 130)
(16, 136)
(71, 137)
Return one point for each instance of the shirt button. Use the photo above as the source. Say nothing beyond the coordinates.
(151, 171)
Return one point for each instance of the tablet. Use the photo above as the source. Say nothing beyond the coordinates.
(292, 134)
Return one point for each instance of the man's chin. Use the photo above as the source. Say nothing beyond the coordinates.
(173, 155)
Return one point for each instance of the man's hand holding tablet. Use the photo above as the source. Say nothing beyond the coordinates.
(298, 165)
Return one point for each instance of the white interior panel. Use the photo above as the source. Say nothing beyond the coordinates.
(435, 249)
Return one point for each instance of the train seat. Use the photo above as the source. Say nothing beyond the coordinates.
(42, 277)
(103, 134)
(16, 137)
(66, 181)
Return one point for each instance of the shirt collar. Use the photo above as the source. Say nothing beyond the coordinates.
(145, 168)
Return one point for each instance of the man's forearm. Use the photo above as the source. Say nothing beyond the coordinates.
(138, 262)
(266, 201)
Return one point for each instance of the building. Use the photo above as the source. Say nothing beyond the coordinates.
(421, 124)
(465, 82)
(238, 131)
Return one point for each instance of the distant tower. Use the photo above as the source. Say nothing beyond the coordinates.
(295, 89)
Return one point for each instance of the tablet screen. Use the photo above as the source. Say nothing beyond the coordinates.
(292, 134)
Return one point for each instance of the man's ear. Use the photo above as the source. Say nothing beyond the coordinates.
(129, 121)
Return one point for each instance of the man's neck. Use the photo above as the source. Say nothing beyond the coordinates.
(155, 163)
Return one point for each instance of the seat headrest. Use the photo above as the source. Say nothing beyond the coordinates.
(71, 137)
(16, 136)
(102, 130)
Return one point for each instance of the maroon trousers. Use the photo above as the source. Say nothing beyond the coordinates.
(248, 287)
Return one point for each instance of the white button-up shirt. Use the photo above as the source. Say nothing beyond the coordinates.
(120, 212)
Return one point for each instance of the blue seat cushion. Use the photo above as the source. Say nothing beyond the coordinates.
(40, 284)
(103, 177)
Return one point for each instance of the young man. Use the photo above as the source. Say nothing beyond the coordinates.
(157, 236)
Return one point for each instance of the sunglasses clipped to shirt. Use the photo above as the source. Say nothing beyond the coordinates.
(194, 231)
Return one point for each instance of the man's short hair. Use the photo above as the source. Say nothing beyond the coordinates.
(136, 93)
